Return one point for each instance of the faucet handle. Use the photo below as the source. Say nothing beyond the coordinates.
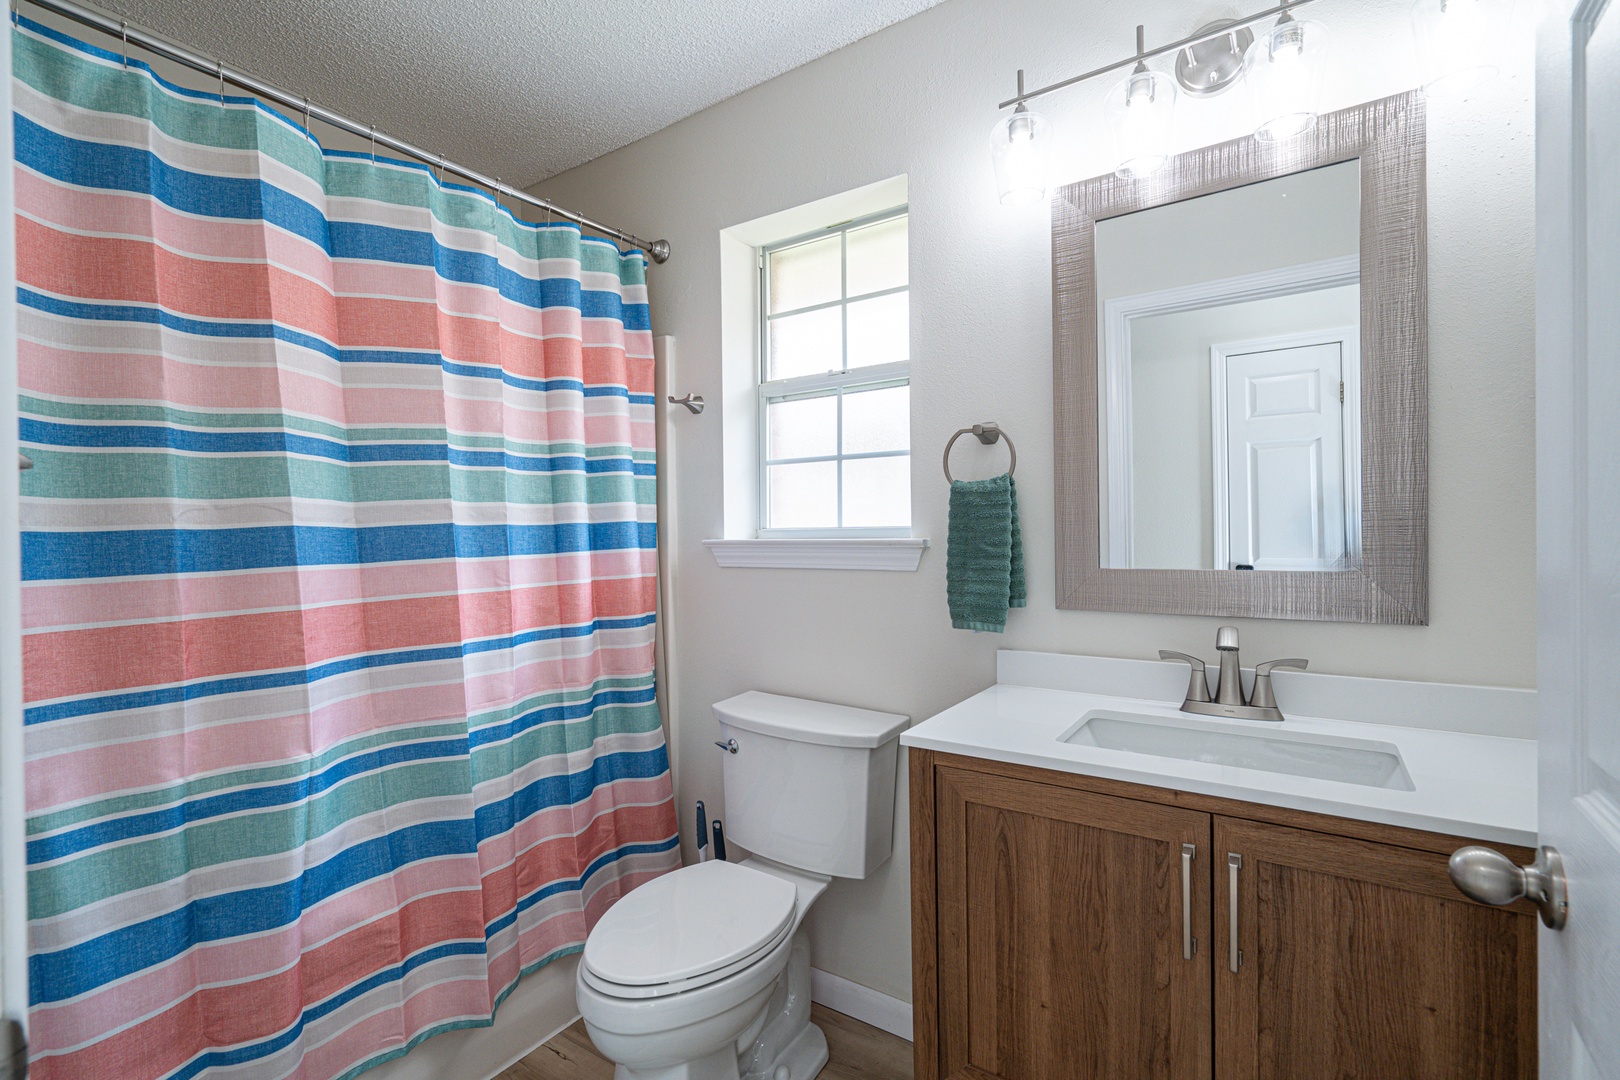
(1262, 697)
(1198, 685)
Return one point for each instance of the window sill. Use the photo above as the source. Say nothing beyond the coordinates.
(845, 553)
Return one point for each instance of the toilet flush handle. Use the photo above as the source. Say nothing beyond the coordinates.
(729, 746)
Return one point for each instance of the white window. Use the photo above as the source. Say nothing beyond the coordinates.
(835, 381)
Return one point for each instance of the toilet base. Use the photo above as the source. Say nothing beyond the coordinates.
(718, 1066)
(801, 1059)
(789, 1046)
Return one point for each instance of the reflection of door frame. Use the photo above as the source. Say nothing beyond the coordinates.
(1348, 338)
(1114, 395)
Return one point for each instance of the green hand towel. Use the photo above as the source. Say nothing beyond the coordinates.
(984, 554)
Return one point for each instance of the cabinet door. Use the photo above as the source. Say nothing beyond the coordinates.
(1361, 960)
(1061, 948)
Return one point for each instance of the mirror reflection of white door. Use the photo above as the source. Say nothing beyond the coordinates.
(1578, 527)
(1286, 451)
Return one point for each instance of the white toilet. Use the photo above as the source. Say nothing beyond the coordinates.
(704, 973)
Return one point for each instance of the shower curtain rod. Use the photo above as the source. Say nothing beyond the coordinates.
(657, 250)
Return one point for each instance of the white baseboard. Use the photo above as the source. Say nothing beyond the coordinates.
(861, 1002)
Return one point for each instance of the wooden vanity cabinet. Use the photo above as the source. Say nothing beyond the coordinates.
(1361, 959)
(1051, 940)
(1060, 930)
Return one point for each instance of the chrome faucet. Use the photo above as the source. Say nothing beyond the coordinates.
(1261, 704)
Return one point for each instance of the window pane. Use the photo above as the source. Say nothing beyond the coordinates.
(877, 492)
(877, 257)
(880, 331)
(809, 344)
(804, 275)
(805, 428)
(803, 496)
(877, 420)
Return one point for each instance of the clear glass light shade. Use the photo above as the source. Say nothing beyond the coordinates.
(1458, 42)
(1019, 147)
(1140, 111)
(1283, 70)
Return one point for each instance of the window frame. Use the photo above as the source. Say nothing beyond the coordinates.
(828, 384)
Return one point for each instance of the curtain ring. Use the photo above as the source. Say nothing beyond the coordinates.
(220, 64)
(123, 32)
(307, 133)
(374, 144)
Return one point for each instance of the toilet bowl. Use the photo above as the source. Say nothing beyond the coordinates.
(704, 973)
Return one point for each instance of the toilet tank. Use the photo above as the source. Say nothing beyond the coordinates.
(811, 785)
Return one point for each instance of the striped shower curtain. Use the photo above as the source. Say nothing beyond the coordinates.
(339, 579)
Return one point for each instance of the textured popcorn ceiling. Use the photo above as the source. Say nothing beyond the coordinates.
(521, 89)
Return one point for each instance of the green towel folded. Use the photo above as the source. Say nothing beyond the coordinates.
(984, 554)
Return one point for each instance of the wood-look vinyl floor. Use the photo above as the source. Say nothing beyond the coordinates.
(858, 1052)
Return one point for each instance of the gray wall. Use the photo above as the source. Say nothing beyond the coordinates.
(919, 99)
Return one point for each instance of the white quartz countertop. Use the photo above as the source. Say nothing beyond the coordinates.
(1475, 786)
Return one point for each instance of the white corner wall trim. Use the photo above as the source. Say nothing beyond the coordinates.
(861, 1002)
(852, 553)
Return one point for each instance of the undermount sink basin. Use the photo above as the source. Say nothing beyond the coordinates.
(1322, 757)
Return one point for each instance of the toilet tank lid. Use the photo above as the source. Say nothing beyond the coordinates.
(802, 720)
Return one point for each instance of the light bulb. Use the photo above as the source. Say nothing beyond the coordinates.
(1019, 147)
(1283, 70)
(1141, 111)
(1458, 42)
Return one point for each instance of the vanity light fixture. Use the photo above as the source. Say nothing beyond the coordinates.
(1283, 70)
(1019, 147)
(1211, 66)
(1458, 41)
(1140, 110)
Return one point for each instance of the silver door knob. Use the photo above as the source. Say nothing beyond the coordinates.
(1486, 875)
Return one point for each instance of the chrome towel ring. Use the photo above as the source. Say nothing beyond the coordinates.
(987, 434)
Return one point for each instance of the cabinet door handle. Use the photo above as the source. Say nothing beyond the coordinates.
(1189, 944)
(1234, 863)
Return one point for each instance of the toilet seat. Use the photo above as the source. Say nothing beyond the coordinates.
(688, 929)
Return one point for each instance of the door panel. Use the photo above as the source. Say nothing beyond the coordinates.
(1362, 960)
(1578, 524)
(1284, 453)
(1061, 934)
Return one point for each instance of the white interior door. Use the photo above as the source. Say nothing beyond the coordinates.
(1282, 454)
(1578, 526)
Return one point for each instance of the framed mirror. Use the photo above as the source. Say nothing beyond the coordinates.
(1241, 379)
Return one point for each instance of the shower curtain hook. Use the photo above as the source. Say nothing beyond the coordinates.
(220, 64)
(123, 32)
(498, 204)
(374, 144)
(439, 172)
(308, 134)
